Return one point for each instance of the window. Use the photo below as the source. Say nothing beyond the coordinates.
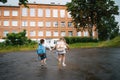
(55, 33)
(63, 24)
(48, 24)
(70, 33)
(40, 24)
(69, 15)
(14, 23)
(24, 12)
(32, 12)
(63, 33)
(79, 33)
(55, 24)
(40, 12)
(48, 33)
(32, 33)
(40, 33)
(85, 33)
(14, 31)
(55, 13)
(6, 23)
(69, 24)
(5, 33)
(47, 14)
(32, 23)
(62, 13)
(6, 13)
(14, 13)
(24, 23)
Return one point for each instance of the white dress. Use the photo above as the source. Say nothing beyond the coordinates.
(63, 45)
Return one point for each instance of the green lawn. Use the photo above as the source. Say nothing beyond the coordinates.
(111, 43)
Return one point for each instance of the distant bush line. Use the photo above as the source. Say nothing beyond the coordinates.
(71, 40)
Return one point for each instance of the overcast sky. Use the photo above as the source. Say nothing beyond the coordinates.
(15, 3)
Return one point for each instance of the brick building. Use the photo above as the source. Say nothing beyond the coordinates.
(48, 21)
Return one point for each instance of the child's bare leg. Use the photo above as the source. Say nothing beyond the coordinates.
(63, 60)
(59, 60)
(44, 61)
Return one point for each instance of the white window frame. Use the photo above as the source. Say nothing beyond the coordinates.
(32, 33)
(62, 13)
(32, 23)
(40, 33)
(79, 33)
(6, 23)
(6, 13)
(5, 33)
(48, 33)
(24, 23)
(14, 13)
(48, 24)
(32, 12)
(40, 24)
(62, 23)
(55, 24)
(63, 33)
(85, 33)
(40, 12)
(55, 33)
(24, 12)
(69, 24)
(14, 23)
(47, 13)
(70, 33)
(55, 13)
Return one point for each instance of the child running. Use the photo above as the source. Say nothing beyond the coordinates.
(61, 47)
(41, 51)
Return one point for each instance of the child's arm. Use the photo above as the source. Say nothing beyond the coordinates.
(67, 46)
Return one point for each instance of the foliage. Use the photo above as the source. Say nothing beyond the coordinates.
(71, 40)
(21, 2)
(108, 29)
(91, 12)
(18, 39)
(111, 43)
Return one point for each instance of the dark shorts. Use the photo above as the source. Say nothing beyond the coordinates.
(42, 56)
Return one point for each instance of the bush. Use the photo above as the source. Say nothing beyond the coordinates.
(18, 39)
(71, 40)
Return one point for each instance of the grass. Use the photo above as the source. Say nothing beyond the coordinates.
(111, 43)
(17, 48)
(85, 45)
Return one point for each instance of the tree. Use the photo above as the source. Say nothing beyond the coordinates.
(109, 28)
(92, 12)
(21, 2)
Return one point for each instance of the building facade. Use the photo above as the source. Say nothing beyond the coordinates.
(48, 21)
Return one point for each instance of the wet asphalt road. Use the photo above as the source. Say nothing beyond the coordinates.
(82, 64)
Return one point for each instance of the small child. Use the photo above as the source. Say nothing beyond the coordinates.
(61, 47)
(42, 54)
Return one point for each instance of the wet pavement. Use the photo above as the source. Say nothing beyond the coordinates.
(82, 64)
